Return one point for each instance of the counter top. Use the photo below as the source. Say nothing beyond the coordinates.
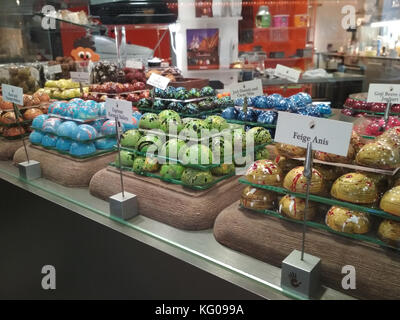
(196, 248)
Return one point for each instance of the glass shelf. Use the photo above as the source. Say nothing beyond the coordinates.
(324, 200)
(369, 237)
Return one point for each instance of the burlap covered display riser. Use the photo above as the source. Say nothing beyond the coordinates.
(63, 169)
(172, 204)
(8, 148)
(272, 240)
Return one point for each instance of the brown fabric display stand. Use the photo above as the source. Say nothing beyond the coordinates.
(63, 169)
(172, 204)
(271, 240)
(8, 148)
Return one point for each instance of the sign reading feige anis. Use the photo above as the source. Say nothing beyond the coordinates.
(326, 135)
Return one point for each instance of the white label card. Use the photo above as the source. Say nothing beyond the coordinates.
(326, 135)
(12, 94)
(384, 93)
(287, 73)
(135, 64)
(4, 74)
(248, 89)
(120, 109)
(53, 69)
(35, 73)
(158, 81)
(83, 77)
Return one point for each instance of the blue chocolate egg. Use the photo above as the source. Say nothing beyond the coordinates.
(86, 133)
(267, 117)
(36, 137)
(82, 149)
(37, 123)
(230, 113)
(108, 128)
(135, 122)
(239, 102)
(63, 144)
(249, 116)
(106, 143)
(282, 105)
(49, 140)
(51, 125)
(261, 102)
(324, 109)
(67, 129)
(97, 124)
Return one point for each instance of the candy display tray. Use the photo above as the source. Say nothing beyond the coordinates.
(325, 200)
(253, 124)
(168, 159)
(175, 181)
(77, 120)
(388, 172)
(317, 223)
(18, 137)
(37, 106)
(182, 101)
(99, 137)
(185, 115)
(65, 153)
(369, 112)
(117, 94)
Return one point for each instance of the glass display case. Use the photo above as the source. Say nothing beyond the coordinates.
(212, 185)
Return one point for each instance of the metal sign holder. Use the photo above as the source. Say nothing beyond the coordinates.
(301, 271)
(123, 205)
(29, 169)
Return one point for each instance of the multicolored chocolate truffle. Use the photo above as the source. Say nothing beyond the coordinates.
(172, 171)
(198, 154)
(296, 181)
(138, 164)
(224, 169)
(149, 143)
(259, 135)
(194, 177)
(50, 125)
(258, 199)
(174, 149)
(86, 133)
(130, 138)
(127, 158)
(264, 172)
(348, 221)
(356, 188)
(217, 123)
(295, 208)
(149, 121)
(151, 165)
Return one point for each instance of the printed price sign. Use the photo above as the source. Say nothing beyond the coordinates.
(53, 69)
(158, 81)
(120, 109)
(135, 64)
(12, 94)
(287, 73)
(325, 135)
(384, 93)
(251, 88)
(83, 77)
